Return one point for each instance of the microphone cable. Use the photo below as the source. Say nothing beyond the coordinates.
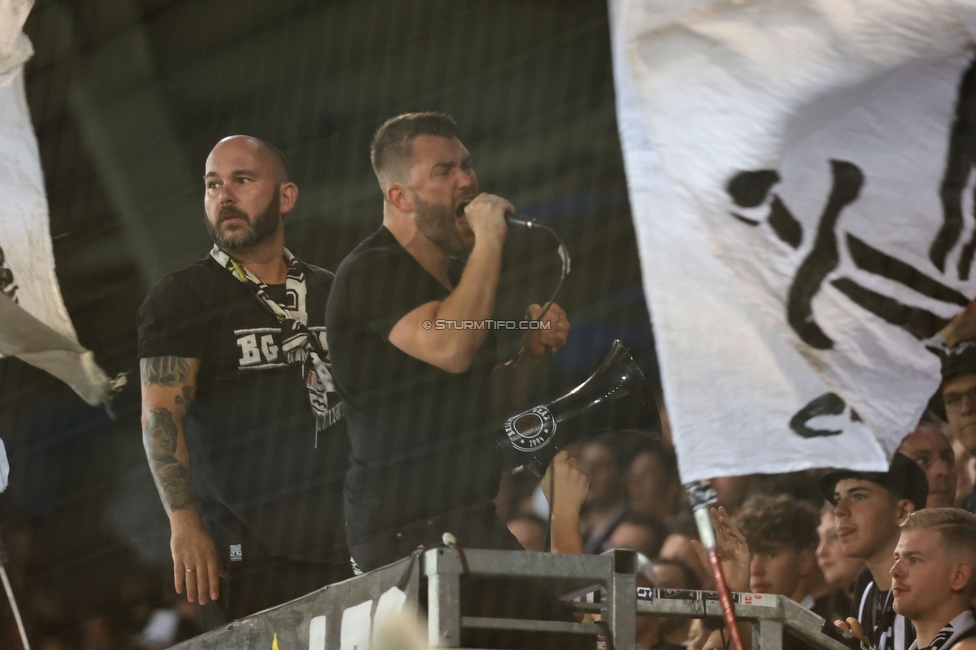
(531, 224)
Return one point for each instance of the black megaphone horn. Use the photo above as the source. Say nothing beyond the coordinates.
(616, 397)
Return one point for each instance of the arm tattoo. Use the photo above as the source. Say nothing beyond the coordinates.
(165, 371)
(187, 396)
(160, 437)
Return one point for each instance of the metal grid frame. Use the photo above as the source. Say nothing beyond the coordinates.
(615, 577)
(612, 576)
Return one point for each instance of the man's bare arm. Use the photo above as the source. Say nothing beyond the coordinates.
(168, 385)
(473, 299)
(168, 388)
(162, 438)
(567, 480)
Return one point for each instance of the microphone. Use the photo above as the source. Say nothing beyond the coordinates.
(519, 220)
(531, 224)
(511, 219)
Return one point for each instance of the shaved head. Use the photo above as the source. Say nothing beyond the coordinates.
(246, 192)
(270, 153)
(392, 148)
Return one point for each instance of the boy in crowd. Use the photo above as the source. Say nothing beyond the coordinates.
(869, 507)
(839, 570)
(782, 536)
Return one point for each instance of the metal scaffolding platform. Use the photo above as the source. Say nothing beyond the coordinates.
(342, 616)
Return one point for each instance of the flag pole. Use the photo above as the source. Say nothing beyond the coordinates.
(13, 601)
(702, 496)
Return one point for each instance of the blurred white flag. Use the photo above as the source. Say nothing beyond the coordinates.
(34, 324)
(801, 175)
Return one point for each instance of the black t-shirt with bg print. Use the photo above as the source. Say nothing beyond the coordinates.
(260, 470)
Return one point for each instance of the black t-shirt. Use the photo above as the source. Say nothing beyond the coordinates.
(873, 610)
(257, 467)
(417, 432)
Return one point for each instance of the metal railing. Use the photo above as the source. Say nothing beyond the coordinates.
(342, 616)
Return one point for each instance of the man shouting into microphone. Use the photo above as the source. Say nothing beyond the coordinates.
(420, 388)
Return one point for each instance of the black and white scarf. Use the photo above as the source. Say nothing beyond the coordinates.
(950, 634)
(300, 346)
(890, 631)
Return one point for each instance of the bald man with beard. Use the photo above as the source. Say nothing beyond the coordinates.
(240, 422)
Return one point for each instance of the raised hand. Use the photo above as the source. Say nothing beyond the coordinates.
(554, 336)
(732, 550)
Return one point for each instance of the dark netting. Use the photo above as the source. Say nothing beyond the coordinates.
(129, 96)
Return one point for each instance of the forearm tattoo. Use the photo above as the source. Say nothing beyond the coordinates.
(165, 371)
(187, 396)
(160, 436)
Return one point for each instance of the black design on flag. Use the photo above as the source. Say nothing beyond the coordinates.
(831, 229)
(828, 404)
(918, 322)
(872, 260)
(750, 190)
(8, 286)
(823, 258)
(960, 166)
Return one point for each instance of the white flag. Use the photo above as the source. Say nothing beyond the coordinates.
(34, 324)
(802, 179)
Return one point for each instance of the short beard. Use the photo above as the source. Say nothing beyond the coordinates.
(437, 223)
(262, 228)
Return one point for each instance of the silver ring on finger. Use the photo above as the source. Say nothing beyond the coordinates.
(189, 570)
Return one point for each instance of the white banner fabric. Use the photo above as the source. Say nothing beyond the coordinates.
(34, 324)
(801, 175)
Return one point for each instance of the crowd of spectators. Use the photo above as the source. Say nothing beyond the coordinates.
(629, 497)
(633, 500)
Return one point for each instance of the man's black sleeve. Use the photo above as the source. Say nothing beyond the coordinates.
(172, 321)
(383, 287)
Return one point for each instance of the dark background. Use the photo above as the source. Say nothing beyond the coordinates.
(127, 99)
